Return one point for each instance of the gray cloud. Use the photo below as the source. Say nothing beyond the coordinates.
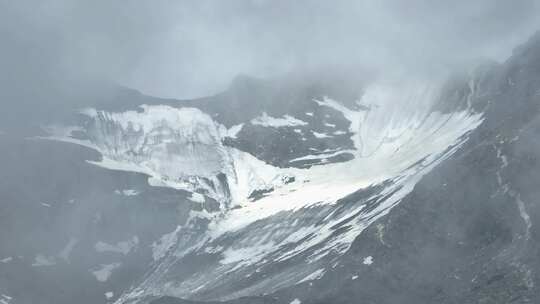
(188, 48)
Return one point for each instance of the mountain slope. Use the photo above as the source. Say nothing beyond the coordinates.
(466, 233)
(277, 191)
(272, 218)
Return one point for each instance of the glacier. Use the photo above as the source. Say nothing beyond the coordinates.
(310, 214)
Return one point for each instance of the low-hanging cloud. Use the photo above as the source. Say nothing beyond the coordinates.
(191, 48)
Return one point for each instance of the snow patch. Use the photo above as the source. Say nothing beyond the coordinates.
(247, 255)
(319, 156)
(5, 299)
(127, 192)
(316, 275)
(197, 197)
(268, 121)
(6, 260)
(66, 252)
(42, 260)
(104, 272)
(211, 249)
(524, 215)
(165, 243)
(233, 131)
(368, 260)
(320, 135)
(123, 247)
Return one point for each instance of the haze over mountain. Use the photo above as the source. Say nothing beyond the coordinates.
(269, 152)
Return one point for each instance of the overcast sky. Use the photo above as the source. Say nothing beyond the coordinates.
(191, 48)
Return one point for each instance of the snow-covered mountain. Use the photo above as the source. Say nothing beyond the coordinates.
(272, 214)
(279, 191)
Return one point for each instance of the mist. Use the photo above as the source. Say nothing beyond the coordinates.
(183, 49)
(358, 159)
